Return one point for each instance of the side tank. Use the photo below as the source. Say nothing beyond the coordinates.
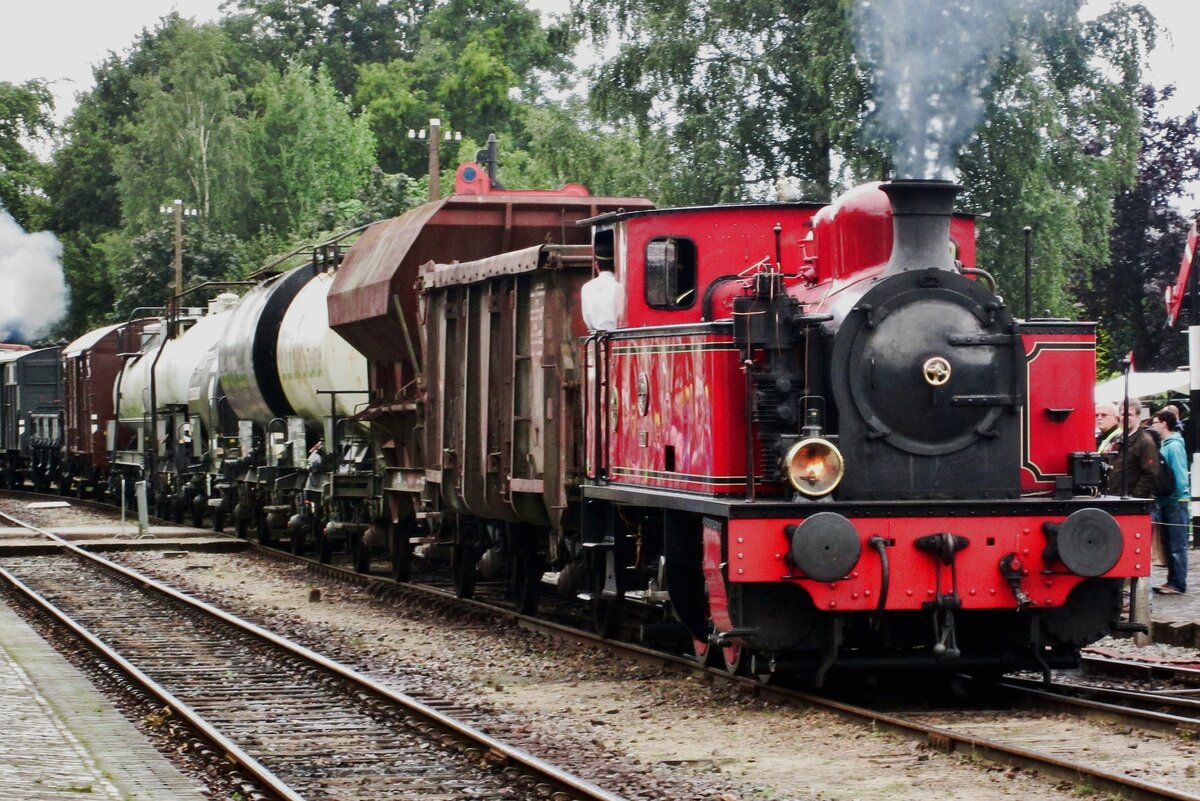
(312, 357)
(247, 354)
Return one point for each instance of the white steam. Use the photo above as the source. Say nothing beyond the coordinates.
(33, 292)
(930, 60)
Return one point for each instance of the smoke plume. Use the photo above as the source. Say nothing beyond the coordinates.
(33, 292)
(930, 59)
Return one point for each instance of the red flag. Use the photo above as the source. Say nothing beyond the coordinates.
(1175, 294)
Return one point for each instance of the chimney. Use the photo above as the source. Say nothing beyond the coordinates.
(921, 211)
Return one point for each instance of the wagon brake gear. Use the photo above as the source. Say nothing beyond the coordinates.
(944, 547)
(1013, 570)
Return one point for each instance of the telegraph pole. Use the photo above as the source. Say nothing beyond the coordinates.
(432, 133)
(180, 212)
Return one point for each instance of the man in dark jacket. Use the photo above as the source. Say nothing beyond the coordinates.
(1142, 464)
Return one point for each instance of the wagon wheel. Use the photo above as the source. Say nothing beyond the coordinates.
(296, 540)
(324, 544)
(527, 578)
(701, 651)
(462, 566)
(264, 530)
(401, 548)
(360, 554)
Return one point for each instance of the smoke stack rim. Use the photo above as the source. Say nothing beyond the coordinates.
(930, 196)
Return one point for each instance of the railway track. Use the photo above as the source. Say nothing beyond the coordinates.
(1114, 764)
(999, 736)
(295, 724)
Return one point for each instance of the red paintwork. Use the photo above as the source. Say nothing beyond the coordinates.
(729, 240)
(1061, 372)
(90, 367)
(695, 404)
(694, 396)
(714, 578)
(696, 401)
(1178, 291)
(757, 550)
(852, 241)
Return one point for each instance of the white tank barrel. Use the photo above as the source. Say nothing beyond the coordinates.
(312, 357)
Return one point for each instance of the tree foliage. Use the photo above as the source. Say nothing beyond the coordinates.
(1147, 241)
(25, 118)
(306, 149)
(186, 138)
(744, 89)
(1058, 141)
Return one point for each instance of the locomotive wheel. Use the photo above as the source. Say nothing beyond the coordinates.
(218, 520)
(197, 516)
(736, 659)
(241, 526)
(401, 551)
(701, 651)
(264, 531)
(324, 544)
(527, 580)
(462, 566)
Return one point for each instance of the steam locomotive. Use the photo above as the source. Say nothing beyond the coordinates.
(818, 442)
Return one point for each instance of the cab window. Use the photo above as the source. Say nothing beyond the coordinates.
(670, 273)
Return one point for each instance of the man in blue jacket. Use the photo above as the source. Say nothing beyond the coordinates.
(1172, 510)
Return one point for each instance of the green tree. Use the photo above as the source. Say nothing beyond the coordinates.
(478, 64)
(25, 119)
(1058, 142)
(744, 89)
(1147, 242)
(146, 279)
(567, 146)
(340, 35)
(307, 149)
(186, 139)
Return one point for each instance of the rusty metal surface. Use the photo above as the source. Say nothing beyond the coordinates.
(383, 264)
(500, 403)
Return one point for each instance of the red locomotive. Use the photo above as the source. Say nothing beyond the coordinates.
(841, 450)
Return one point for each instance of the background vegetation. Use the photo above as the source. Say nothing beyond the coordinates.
(289, 118)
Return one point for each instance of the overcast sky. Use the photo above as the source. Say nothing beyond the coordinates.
(60, 40)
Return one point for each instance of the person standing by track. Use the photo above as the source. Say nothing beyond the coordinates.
(1141, 460)
(1171, 510)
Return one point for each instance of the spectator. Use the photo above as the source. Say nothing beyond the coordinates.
(1142, 462)
(1171, 510)
(1108, 425)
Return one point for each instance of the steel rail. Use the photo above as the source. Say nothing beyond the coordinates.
(1064, 695)
(259, 772)
(582, 789)
(941, 738)
(937, 737)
